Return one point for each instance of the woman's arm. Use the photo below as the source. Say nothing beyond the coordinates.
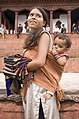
(43, 46)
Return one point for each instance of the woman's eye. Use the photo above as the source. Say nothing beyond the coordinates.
(38, 15)
(30, 15)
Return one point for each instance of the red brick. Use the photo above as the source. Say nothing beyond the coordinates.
(72, 65)
(69, 110)
(10, 110)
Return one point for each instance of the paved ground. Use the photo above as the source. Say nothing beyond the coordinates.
(69, 82)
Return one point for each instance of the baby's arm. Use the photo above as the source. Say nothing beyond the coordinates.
(60, 59)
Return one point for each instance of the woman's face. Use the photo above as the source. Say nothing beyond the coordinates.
(35, 19)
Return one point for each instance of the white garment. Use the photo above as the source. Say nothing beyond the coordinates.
(33, 96)
(1, 30)
(57, 30)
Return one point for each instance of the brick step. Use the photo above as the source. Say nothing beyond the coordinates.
(13, 45)
(71, 65)
(8, 36)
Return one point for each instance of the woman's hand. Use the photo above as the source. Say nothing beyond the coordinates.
(47, 96)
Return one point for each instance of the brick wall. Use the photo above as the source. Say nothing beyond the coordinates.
(9, 108)
(11, 45)
(69, 110)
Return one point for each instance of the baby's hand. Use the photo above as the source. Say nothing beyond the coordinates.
(54, 51)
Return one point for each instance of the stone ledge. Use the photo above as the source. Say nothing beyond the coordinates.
(69, 82)
(71, 97)
(17, 98)
(12, 98)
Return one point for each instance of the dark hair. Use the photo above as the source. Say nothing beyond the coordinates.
(64, 37)
(45, 16)
(33, 37)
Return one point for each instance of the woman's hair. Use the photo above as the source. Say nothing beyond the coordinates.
(45, 16)
(33, 37)
(64, 37)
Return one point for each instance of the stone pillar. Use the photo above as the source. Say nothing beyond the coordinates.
(16, 21)
(4, 20)
(0, 17)
(51, 21)
(69, 21)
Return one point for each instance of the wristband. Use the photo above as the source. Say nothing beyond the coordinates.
(57, 56)
(49, 92)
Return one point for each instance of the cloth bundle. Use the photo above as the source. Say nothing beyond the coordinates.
(16, 73)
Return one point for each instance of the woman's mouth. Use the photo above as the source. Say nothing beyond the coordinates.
(32, 21)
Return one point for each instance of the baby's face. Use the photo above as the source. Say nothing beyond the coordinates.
(59, 45)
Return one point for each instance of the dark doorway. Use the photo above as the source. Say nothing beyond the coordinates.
(75, 16)
(9, 17)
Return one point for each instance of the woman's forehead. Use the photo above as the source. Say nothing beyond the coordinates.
(36, 11)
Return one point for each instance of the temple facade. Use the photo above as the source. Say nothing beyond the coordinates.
(13, 12)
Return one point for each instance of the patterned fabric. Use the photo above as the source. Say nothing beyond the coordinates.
(16, 73)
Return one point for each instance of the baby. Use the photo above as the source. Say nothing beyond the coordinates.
(61, 44)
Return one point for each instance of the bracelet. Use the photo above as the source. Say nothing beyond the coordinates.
(57, 56)
(49, 92)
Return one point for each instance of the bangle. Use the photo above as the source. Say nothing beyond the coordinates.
(49, 92)
(57, 56)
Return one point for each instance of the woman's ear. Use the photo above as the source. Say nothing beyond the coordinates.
(44, 22)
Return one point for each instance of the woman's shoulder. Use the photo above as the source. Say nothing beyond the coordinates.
(45, 31)
(50, 38)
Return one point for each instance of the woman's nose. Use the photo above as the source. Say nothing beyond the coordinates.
(33, 16)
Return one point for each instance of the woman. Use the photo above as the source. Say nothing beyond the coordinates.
(39, 95)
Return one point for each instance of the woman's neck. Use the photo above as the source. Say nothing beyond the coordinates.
(35, 29)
